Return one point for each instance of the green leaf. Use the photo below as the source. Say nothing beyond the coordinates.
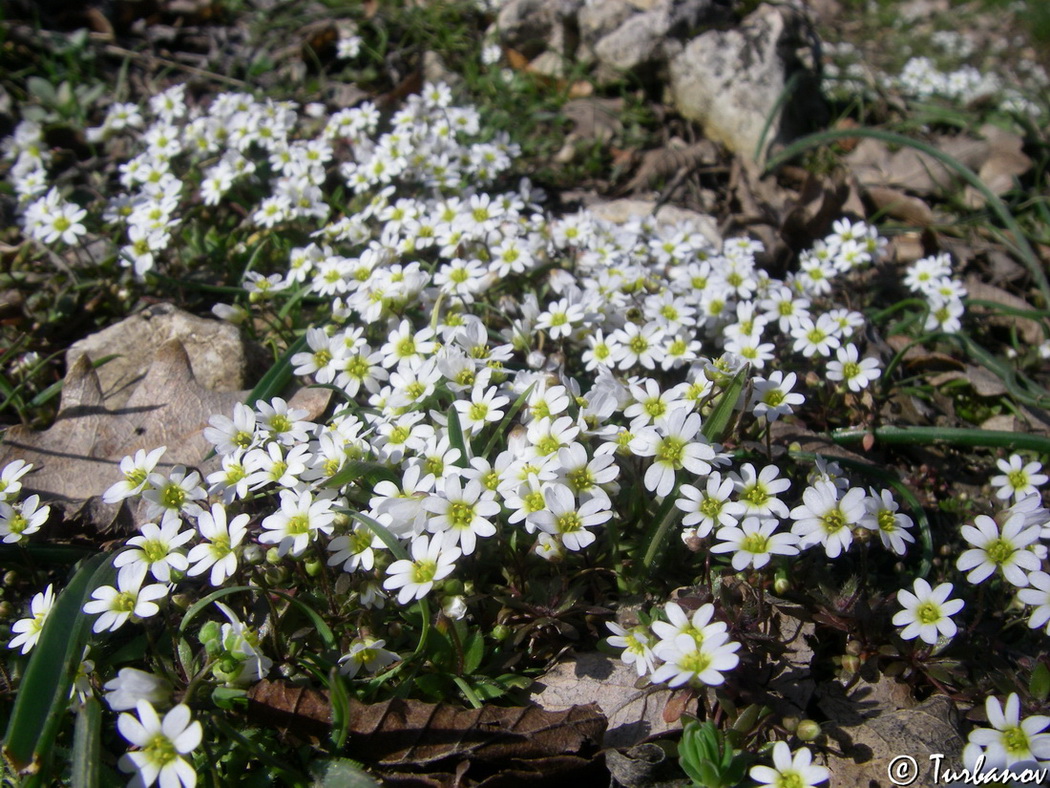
(43, 696)
(473, 653)
(42, 90)
(87, 745)
(340, 700)
(340, 773)
(508, 420)
(370, 473)
(1039, 684)
(717, 422)
(455, 437)
(278, 376)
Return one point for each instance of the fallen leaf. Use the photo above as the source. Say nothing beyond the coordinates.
(668, 161)
(810, 215)
(871, 733)
(633, 714)
(898, 205)
(404, 733)
(218, 355)
(1004, 164)
(982, 381)
(996, 157)
(1029, 329)
(594, 118)
(78, 457)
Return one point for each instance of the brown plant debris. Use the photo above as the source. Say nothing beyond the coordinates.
(410, 734)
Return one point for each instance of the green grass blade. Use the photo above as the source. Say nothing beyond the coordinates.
(506, 422)
(87, 745)
(455, 437)
(955, 436)
(1019, 240)
(43, 696)
(340, 700)
(278, 376)
(322, 628)
(370, 472)
(717, 422)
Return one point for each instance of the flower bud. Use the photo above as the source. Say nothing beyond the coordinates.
(781, 582)
(273, 556)
(790, 724)
(312, 567)
(808, 730)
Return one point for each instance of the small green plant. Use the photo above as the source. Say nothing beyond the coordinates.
(708, 758)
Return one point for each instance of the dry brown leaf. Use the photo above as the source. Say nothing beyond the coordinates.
(78, 457)
(871, 731)
(898, 205)
(983, 382)
(594, 118)
(1029, 329)
(633, 714)
(997, 158)
(403, 733)
(669, 161)
(819, 202)
(1006, 161)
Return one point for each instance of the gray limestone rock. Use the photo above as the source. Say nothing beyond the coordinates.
(734, 81)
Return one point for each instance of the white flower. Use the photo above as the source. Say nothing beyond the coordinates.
(431, 561)
(824, 518)
(156, 550)
(789, 771)
(482, 408)
(689, 662)
(132, 685)
(855, 373)
(1038, 595)
(27, 630)
(757, 491)
(674, 443)
(10, 479)
(564, 519)
(368, 653)
(298, 522)
(1006, 550)
(174, 494)
(773, 397)
(927, 612)
(881, 516)
(162, 746)
(461, 515)
(22, 519)
(136, 472)
(116, 605)
(219, 552)
(636, 645)
(753, 543)
(710, 507)
(1012, 740)
(1017, 480)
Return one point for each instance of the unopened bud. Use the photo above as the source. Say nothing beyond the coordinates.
(808, 730)
(781, 582)
(853, 648)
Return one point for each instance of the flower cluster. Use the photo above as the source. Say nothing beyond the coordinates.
(685, 649)
(19, 519)
(931, 277)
